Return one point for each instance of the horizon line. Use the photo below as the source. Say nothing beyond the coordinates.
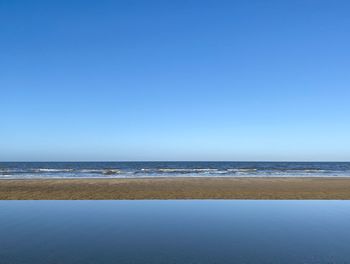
(68, 161)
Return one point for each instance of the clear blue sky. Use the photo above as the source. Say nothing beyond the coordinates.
(174, 80)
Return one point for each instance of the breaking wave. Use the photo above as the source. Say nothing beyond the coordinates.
(174, 169)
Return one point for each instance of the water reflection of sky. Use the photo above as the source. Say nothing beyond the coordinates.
(174, 232)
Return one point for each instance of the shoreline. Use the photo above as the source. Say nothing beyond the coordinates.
(247, 188)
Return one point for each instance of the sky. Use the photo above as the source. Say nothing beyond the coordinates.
(174, 80)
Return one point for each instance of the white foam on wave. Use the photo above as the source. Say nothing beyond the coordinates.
(52, 170)
(242, 170)
(186, 170)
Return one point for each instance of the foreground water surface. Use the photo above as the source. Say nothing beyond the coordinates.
(45, 232)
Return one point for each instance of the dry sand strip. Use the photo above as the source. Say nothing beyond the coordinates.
(176, 188)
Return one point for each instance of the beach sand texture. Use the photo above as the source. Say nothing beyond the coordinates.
(176, 188)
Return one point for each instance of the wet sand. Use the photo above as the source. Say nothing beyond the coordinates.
(176, 188)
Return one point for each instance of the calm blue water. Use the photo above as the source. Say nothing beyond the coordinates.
(101, 232)
(9, 170)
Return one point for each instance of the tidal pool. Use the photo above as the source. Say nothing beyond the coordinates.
(192, 231)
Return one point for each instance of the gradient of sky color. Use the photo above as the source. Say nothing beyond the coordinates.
(174, 80)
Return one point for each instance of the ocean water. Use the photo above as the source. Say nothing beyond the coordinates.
(22, 170)
(196, 232)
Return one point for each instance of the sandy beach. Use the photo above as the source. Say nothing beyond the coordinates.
(176, 188)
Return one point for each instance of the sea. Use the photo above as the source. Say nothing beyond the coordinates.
(57, 170)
